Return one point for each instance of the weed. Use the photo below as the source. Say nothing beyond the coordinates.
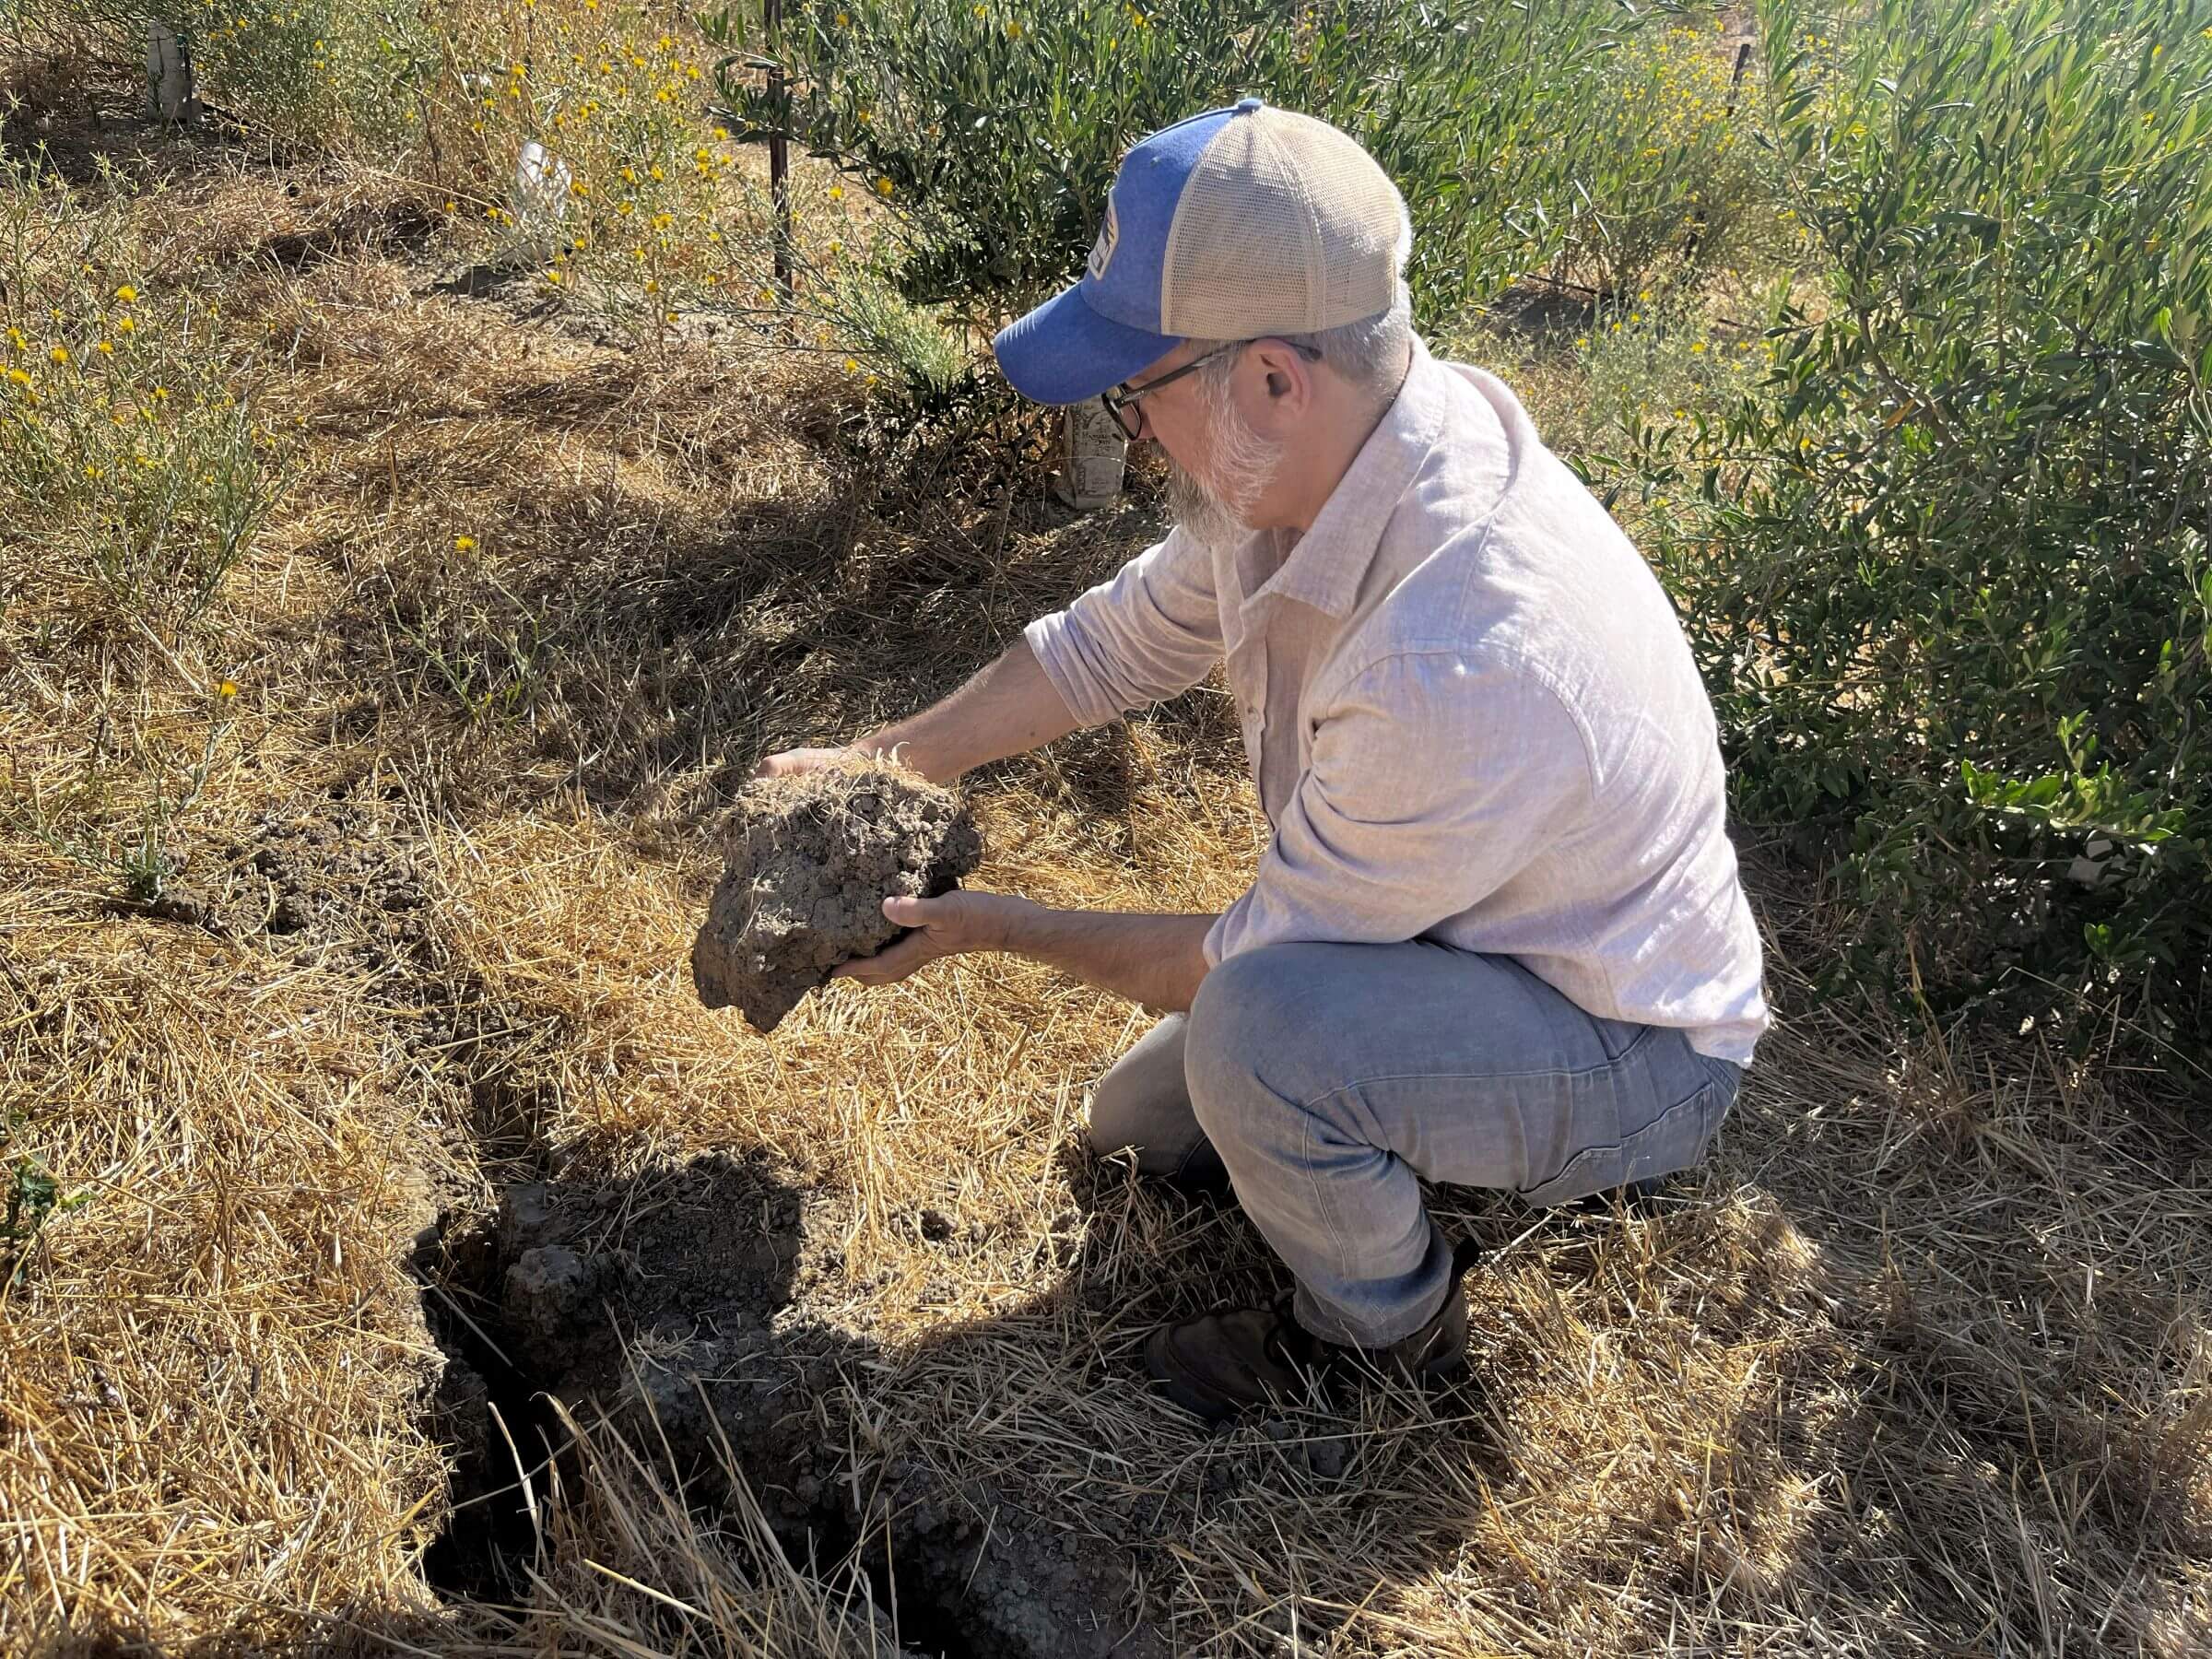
(33, 1197)
(134, 463)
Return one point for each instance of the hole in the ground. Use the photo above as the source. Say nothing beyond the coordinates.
(485, 1399)
(669, 1300)
(925, 1624)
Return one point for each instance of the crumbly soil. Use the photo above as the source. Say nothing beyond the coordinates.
(328, 876)
(811, 860)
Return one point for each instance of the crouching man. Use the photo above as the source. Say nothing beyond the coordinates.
(1498, 938)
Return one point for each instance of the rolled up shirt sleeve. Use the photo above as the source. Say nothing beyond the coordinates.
(1151, 632)
(1433, 781)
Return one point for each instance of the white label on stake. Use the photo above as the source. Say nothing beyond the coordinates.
(541, 198)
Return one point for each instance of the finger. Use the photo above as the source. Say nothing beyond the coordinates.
(889, 965)
(788, 762)
(909, 912)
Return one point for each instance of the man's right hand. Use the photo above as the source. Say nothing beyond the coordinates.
(792, 762)
(1008, 708)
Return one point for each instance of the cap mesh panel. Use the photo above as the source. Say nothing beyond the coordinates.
(1286, 226)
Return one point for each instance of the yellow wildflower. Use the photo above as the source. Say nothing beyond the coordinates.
(461, 544)
(126, 293)
(227, 691)
(60, 354)
(884, 186)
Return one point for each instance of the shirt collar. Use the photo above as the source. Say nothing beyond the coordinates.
(1328, 563)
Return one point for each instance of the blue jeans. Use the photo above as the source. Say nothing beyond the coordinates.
(1329, 1078)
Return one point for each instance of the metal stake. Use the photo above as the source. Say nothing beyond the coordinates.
(778, 148)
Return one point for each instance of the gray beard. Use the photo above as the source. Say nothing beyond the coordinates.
(1240, 454)
(1199, 513)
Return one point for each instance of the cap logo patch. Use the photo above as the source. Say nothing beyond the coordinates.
(1101, 251)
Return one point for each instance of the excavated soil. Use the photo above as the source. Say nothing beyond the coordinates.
(811, 859)
(680, 1300)
(328, 876)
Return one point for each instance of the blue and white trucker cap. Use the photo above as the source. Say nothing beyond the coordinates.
(1229, 226)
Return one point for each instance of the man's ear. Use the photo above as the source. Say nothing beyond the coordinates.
(1289, 377)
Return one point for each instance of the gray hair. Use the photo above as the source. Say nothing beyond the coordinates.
(1369, 354)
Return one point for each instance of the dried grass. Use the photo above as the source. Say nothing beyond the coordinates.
(1922, 1365)
(212, 1368)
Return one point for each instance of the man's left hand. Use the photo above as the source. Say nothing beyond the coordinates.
(951, 925)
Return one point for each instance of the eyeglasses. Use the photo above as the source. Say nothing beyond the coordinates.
(1116, 400)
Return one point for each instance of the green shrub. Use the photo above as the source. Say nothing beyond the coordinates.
(1949, 578)
(1594, 377)
(992, 130)
(1681, 186)
(326, 74)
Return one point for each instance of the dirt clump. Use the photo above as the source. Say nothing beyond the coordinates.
(811, 859)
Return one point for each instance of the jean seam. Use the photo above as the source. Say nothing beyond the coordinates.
(1321, 1199)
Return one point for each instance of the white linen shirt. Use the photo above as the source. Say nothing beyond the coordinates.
(1470, 712)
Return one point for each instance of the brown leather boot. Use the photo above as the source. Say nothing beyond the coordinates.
(1217, 1365)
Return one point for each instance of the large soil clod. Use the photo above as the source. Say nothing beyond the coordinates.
(811, 860)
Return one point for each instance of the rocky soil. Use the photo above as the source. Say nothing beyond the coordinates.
(811, 859)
